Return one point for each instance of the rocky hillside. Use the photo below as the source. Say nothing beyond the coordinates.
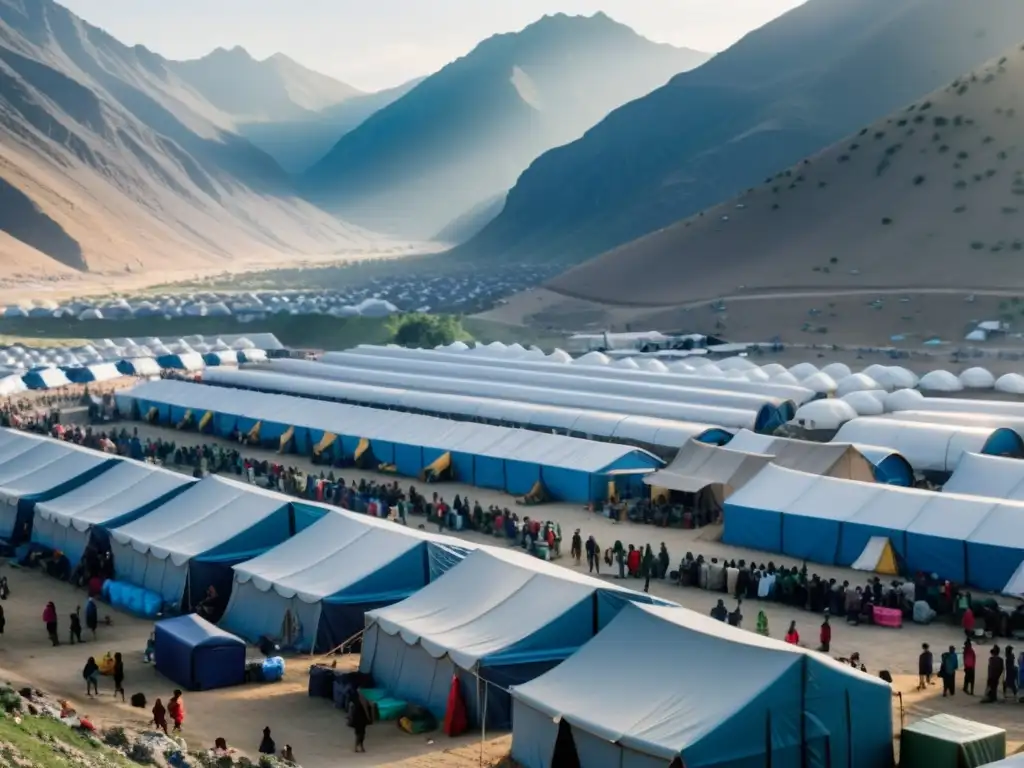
(930, 197)
(464, 134)
(785, 91)
(111, 163)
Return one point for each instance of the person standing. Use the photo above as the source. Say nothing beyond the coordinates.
(948, 666)
(925, 667)
(995, 671)
(91, 616)
(792, 636)
(825, 635)
(50, 620)
(176, 709)
(267, 745)
(75, 628)
(118, 676)
(358, 719)
(576, 551)
(91, 673)
(1010, 678)
(646, 567)
(160, 716)
(970, 660)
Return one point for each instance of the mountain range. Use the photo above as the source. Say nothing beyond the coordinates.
(464, 134)
(784, 91)
(113, 162)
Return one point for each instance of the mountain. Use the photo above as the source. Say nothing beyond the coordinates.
(784, 91)
(464, 134)
(466, 225)
(297, 143)
(275, 89)
(931, 197)
(110, 162)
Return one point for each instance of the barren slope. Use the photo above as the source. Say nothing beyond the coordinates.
(116, 165)
(465, 133)
(930, 197)
(785, 91)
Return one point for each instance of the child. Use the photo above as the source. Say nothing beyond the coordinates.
(91, 673)
(160, 716)
(925, 667)
(150, 653)
(176, 709)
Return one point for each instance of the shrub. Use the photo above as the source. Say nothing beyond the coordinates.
(926, 105)
(978, 245)
(962, 155)
(918, 180)
(987, 140)
(958, 120)
(962, 90)
(901, 123)
(990, 172)
(115, 737)
(960, 209)
(943, 149)
(844, 158)
(834, 260)
(960, 184)
(879, 134)
(886, 221)
(775, 206)
(862, 131)
(893, 149)
(1002, 154)
(939, 121)
(854, 147)
(822, 184)
(936, 137)
(1009, 209)
(919, 119)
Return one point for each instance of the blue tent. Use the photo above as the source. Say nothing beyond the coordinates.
(45, 470)
(328, 576)
(45, 378)
(702, 692)
(497, 619)
(196, 655)
(120, 495)
(190, 543)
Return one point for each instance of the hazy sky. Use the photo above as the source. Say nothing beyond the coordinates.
(378, 43)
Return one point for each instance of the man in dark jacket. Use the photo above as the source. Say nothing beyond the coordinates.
(995, 672)
(720, 612)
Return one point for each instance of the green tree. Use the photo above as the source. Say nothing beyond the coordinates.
(425, 331)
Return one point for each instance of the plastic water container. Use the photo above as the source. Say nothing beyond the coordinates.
(273, 669)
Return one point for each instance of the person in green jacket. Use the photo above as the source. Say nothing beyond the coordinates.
(762, 623)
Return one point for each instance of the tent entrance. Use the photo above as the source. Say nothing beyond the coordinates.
(537, 495)
(878, 556)
(1015, 586)
(439, 470)
(565, 754)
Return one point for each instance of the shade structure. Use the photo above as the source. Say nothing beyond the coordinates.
(34, 470)
(948, 740)
(46, 378)
(198, 656)
(935, 448)
(325, 579)
(191, 542)
(887, 465)
(967, 539)
(124, 493)
(734, 699)
(512, 460)
(992, 476)
(139, 366)
(497, 619)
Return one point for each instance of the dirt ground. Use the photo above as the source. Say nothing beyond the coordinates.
(317, 731)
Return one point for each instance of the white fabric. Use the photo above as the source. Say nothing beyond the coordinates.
(209, 514)
(927, 447)
(824, 414)
(965, 419)
(1015, 586)
(339, 550)
(940, 381)
(872, 553)
(490, 601)
(992, 476)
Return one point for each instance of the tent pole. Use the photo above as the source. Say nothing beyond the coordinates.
(481, 685)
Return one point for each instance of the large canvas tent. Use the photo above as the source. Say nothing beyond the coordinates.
(501, 458)
(192, 541)
(324, 579)
(992, 476)
(497, 619)
(967, 539)
(699, 690)
(120, 495)
(33, 470)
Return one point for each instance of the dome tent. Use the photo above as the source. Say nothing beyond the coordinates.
(803, 370)
(820, 382)
(977, 378)
(857, 382)
(1010, 383)
(824, 414)
(940, 381)
(838, 370)
(866, 403)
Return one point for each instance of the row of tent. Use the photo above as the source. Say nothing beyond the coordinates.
(552, 651)
(412, 445)
(973, 540)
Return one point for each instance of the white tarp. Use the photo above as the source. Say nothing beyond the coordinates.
(64, 523)
(991, 476)
(927, 447)
(872, 553)
(698, 466)
(962, 418)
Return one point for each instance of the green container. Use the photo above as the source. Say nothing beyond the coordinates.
(944, 741)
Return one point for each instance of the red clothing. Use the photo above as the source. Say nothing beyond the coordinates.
(968, 620)
(176, 709)
(793, 637)
(49, 614)
(826, 634)
(969, 658)
(633, 561)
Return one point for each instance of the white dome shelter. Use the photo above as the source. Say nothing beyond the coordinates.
(593, 358)
(773, 369)
(865, 403)
(977, 378)
(940, 381)
(650, 364)
(736, 364)
(826, 414)
(837, 370)
(786, 378)
(901, 378)
(628, 363)
(756, 374)
(819, 382)
(560, 356)
(902, 400)
(680, 367)
(803, 370)
(1010, 383)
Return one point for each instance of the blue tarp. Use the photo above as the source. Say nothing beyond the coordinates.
(198, 656)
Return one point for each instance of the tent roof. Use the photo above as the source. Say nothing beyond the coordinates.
(493, 600)
(122, 489)
(698, 465)
(210, 513)
(394, 426)
(633, 653)
(45, 465)
(992, 476)
(339, 550)
(194, 631)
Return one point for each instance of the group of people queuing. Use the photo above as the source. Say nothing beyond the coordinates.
(625, 561)
(1003, 671)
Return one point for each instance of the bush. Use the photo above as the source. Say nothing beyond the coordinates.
(961, 184)
(918, 180)
(987, 140)
(944, 149)
(962, 155)
(886, 221)
(10, 700)
(938, 121)
(879, 134)
(426, 331)
(960, 209)
(141, 753)
(844, 159)
(115, 737)
(962, 90)
(978, 245)
(926, 105)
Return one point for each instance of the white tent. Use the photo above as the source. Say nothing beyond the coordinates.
(940, 381)
(977, 378)
(824, 414)
(991, 476)
(124, 493)
(857, 382)
(1010, 383)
